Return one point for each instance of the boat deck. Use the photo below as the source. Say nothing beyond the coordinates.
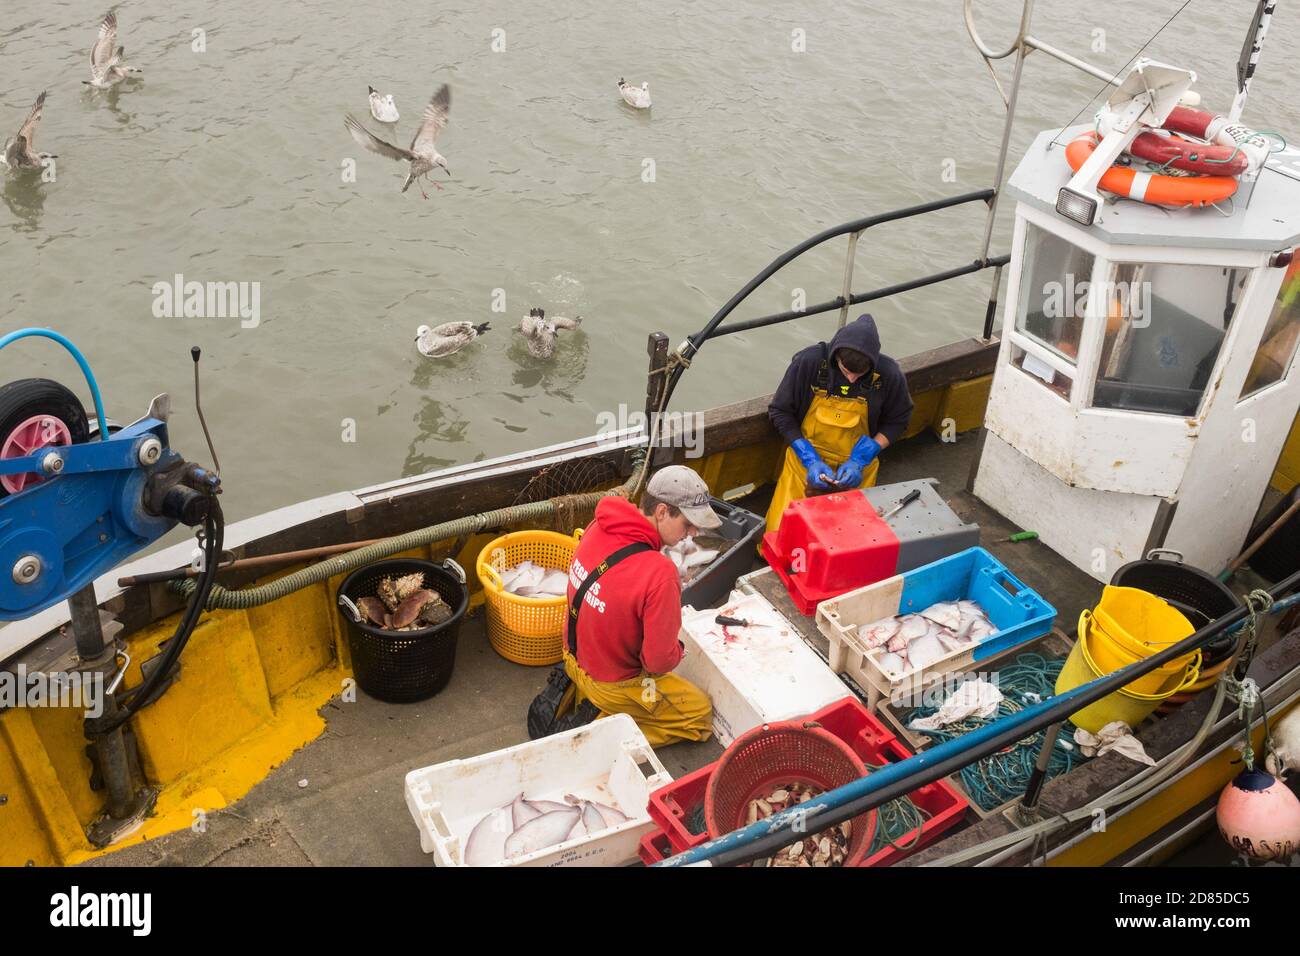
(340, 800)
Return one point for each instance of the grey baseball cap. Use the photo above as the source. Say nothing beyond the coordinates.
(682, 488)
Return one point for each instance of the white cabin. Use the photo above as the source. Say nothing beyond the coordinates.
(1147, 377)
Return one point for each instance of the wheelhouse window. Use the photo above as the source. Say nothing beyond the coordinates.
(1054, 285)
(1277, 348)
(1165, 324)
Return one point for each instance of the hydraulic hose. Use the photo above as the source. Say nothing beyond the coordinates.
(138, 697)
(314, 574)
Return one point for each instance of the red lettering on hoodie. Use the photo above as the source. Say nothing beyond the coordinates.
(632, 615)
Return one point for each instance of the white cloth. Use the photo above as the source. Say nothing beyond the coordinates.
(975, 698)
(1116, 736)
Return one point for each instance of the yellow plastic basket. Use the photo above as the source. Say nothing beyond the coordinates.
(525, 630)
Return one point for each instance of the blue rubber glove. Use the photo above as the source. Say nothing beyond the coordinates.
(864, 453)
(817, 469)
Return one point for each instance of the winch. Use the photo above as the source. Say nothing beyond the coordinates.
(73, 505)
(77, 497)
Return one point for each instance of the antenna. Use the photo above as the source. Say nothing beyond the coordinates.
(195, 352)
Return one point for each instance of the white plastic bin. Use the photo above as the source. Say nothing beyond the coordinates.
(607, 761)
(761, 674)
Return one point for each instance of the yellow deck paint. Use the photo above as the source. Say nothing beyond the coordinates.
(1287, 475)
(963, 403)
(1123, 832)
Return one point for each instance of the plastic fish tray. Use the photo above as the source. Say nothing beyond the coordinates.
(671, 806)
(1018, 613)
(714, 583)
(608, 761)
(753, 675)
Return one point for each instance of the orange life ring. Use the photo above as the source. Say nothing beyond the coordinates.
(1152, 187)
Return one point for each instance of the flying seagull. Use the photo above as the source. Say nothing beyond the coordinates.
(20, 151)
(442, 340)
(106, 67)
(423, 155)
(540, 332)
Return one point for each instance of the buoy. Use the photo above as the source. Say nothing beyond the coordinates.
(1259, 816)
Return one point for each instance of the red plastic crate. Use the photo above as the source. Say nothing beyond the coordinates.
(870, 739)
(654, 847)
(828, 545)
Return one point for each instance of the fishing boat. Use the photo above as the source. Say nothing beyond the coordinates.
(237, 734)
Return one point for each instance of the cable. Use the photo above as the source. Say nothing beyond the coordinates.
(144, 693)
(1056, 142)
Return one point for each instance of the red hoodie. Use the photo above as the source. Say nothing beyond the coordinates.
(630, 619)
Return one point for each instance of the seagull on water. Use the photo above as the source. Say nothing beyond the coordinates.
(637, 96)
(382, 108)
(540, 332)
(106, 67)
(443, 340)
(422, 155)
(20, 151)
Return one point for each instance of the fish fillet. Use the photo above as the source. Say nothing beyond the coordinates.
(521, 812)
(487, 841)
(541, 832)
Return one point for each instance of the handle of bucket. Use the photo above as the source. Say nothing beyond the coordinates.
(1192, 675)
(452, 565)
(1178, 555)
(577, 533)
(350, 608)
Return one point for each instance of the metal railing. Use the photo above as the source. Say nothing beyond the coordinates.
(853, 229)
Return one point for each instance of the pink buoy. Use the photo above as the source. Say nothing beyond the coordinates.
(39, 431)
(1259, 816)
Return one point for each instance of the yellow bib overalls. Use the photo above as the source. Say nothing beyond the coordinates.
(833, 424)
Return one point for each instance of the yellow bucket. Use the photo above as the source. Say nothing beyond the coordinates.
(1129, 706)
(525, 630)
(1130, 625)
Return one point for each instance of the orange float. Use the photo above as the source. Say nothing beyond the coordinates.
(1154, 188)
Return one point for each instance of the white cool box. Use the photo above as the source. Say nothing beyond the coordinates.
(754, 675)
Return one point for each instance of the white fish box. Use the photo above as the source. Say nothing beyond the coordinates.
(608, 761)
(753, 675)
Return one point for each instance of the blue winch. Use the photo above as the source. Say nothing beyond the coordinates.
(78, 497)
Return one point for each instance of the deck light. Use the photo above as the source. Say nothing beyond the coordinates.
(1078, 206)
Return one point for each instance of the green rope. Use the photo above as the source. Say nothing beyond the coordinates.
(1003, 776)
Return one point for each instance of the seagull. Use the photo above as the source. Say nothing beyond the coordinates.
(20, 151)
(443, 340)
(382, 108)
(540, 332)
(423, 155)
(634, 96)
(106, 68)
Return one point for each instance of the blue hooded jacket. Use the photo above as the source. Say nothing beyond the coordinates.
(889, 406)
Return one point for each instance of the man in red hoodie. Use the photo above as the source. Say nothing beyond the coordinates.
(630, 615)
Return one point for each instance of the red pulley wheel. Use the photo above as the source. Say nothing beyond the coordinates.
(37, 413)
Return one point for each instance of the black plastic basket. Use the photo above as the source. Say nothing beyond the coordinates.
(404, 666)
(1199, 596)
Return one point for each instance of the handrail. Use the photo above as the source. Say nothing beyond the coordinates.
(838, 302)
(692, 344)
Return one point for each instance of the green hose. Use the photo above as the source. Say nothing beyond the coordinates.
(471, 524)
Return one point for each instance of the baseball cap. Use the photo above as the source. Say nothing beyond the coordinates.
(682, 488)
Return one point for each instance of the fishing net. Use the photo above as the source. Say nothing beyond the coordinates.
(565, 482)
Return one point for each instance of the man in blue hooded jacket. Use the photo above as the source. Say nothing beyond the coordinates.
(839, 405)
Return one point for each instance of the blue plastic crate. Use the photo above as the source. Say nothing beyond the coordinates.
(1018, 612)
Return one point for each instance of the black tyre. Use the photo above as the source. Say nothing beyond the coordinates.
(29, 397)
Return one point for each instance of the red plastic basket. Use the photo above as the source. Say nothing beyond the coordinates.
(776, 754)
(828, 545)
(672, 806)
